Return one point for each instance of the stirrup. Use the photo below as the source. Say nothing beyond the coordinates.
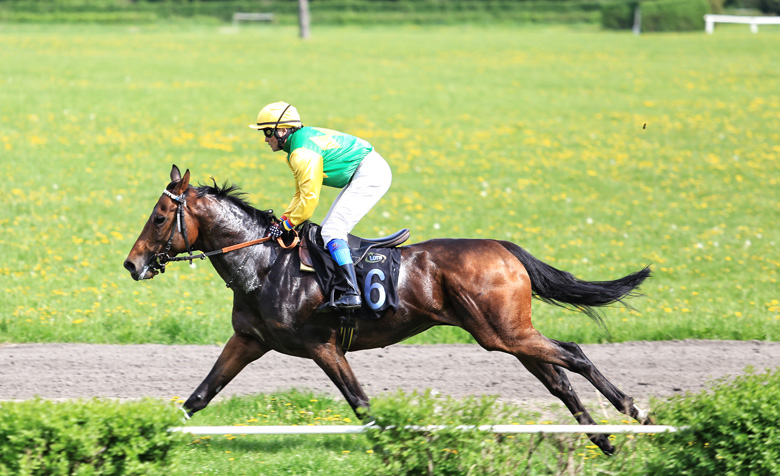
(332, 304)
(348, 301)
(328, 305)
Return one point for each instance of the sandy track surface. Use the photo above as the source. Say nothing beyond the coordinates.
(641, 369)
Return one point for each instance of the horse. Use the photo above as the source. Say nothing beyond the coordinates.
(483, 286)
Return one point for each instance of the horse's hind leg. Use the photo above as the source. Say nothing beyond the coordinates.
(558, 384)
(576, 361)
(570, 356)
(237, 353)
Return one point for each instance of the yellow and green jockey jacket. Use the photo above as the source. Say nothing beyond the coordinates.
(320, 157)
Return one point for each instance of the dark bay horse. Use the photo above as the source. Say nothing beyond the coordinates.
(483, 286)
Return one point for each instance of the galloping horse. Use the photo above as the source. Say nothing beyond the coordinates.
(483, 286)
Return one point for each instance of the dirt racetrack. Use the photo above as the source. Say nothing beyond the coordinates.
(641, 369)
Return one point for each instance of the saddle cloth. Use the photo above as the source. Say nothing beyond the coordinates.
(377, 266)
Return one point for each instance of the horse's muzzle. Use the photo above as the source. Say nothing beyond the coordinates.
(147, 271)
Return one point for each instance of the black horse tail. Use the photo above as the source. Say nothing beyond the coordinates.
(563, 289)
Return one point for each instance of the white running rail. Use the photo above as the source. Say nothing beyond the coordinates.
(710, 20)
(347, 429)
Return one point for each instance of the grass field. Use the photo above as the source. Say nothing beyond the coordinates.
(599, 152)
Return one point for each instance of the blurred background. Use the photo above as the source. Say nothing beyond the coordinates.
(602, 136)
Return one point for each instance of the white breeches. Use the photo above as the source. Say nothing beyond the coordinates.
(369, 183)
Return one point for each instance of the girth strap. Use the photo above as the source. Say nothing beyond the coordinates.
(347, 324)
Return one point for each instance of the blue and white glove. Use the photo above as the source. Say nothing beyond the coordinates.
(280, 228)
(275, 231)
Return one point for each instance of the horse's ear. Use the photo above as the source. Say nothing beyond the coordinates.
(181, 187)
(175, 174)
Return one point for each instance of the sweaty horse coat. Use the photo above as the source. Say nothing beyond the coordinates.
(482, 286)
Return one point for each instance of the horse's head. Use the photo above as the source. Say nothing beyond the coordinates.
(170, 230)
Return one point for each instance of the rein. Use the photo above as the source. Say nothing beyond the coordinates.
(162, 259)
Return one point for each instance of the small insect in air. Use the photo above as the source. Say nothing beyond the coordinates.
(644, 126)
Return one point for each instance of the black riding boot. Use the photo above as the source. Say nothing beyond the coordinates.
(351, 298)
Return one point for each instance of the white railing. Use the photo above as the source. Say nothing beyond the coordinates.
(710, 21)
(242, 16)
(347, 429)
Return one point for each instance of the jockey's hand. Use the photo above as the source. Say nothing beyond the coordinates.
(280, 228)
(275, 231)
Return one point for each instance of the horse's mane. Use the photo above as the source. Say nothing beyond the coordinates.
(233, 194)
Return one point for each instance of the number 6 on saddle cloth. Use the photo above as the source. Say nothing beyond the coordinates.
(377, 265)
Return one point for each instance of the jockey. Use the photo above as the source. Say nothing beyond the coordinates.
(320, 157)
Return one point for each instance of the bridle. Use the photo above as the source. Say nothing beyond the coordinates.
(160, 260)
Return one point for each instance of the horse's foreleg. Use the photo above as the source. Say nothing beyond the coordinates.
(558, 384)
(238, 352)
(335, 365)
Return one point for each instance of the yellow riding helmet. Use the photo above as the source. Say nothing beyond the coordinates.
(277, 114)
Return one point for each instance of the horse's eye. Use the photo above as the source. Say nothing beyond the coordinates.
(159, 220)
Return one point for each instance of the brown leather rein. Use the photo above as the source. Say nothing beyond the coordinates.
(161, 259)
(230, 248)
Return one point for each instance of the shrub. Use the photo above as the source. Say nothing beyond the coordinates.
(743, 4)
(322, 11)
(79, 17)
(732, 430)
(660, 15)
(716, 6)
(770, 6)
(95, 437)
(618, 15)
(674, 15)
(445, 451)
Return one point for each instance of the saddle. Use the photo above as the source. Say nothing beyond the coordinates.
(377, 265)
(359, 246)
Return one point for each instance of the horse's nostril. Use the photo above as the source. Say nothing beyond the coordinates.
(129, 266)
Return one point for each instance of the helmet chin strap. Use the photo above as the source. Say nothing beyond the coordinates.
(281, 140)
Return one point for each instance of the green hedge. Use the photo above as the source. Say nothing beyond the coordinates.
(732, 430)
(79, 17)
(658, 15)
(40, 437)
(322, 11)
(446, 451)
(618, 15)
(674, 15)
(770, 6)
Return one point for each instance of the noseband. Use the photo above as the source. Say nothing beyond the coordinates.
(160, 260)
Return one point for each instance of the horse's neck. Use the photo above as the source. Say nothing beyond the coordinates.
(229, 225)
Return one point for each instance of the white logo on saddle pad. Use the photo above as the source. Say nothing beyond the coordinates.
(375, 258)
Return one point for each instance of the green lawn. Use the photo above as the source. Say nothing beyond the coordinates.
(599, 152)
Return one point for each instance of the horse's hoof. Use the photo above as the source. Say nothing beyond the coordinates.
(602, 441)
(369, 422)
(643, 416)
(187, 413)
